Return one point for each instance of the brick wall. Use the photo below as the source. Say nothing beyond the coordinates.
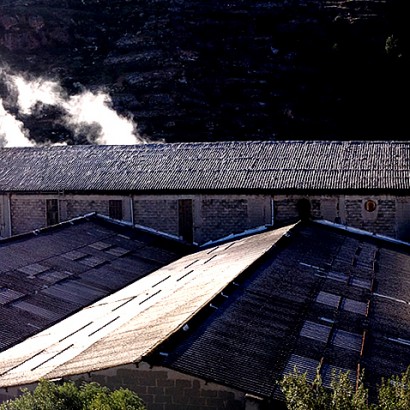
(159, 388)
(27, 214)
(164, 389)
(382, 220)
(391, 216)
(77, 207)
(2, 221)
(72, 206)
(403, 218)
(222, 216)
(216, 216)
(285, 209)
(160, 214)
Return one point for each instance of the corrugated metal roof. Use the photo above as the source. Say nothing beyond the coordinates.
(303, 304)
(294, 310)
(47, 276)
(258, 165)
(130, 323)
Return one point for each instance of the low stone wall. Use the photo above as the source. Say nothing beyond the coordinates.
(164, 389)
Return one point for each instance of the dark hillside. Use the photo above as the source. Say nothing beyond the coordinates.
(218, 70)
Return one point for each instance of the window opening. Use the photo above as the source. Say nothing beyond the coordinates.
(370, 205)
(185, 219)
(52, 213)
(115, 209)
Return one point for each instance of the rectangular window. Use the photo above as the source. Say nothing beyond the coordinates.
(52, 213)
(185, 219)
(115, 209)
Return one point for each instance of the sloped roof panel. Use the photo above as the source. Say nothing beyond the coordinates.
(130, 323)
(304, 306)
(257, 165)
(48, 276)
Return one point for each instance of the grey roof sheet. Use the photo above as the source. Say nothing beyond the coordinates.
(126, 325)
(305, 304)
(267, 302)
(47, 276)
(257, 165)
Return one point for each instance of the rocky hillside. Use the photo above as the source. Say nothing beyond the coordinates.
(217, 70)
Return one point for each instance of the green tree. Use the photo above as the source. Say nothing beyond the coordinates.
(394, 393)
(68, 396)
(393, 47)
(301, 394)
(344, 395)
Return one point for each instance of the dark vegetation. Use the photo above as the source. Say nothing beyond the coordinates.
(343, 393)
(70, 396)
(190, 70)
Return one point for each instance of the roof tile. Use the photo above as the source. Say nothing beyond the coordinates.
(249, 165)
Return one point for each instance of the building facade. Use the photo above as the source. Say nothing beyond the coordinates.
(203, 192)
(201, 218)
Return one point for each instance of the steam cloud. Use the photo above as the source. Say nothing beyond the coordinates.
(12, 131)
(86, 113)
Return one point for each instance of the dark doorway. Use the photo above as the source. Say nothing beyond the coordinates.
(185, 219)
(303, 207)
(52, 213)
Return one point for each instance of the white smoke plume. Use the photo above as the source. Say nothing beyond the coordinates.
(88, 113)
(29, 93)
(12, 133)
(88, 108)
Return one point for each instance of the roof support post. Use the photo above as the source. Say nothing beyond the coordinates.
(272, 211)
(132, 209)
(5, 222)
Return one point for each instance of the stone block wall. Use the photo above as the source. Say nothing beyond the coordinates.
(157, 213)
(27, 213)
(165, 389)
(403, 218)
(383, 220)
(2, 221)
(285, 209)
(76, 207)
(391, 216)
(10, 393)
(223, 216)
(72, 206)
(215, 216)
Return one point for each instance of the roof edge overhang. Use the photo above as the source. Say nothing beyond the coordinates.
(351, 231)
(121, 226)
(220, 191)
